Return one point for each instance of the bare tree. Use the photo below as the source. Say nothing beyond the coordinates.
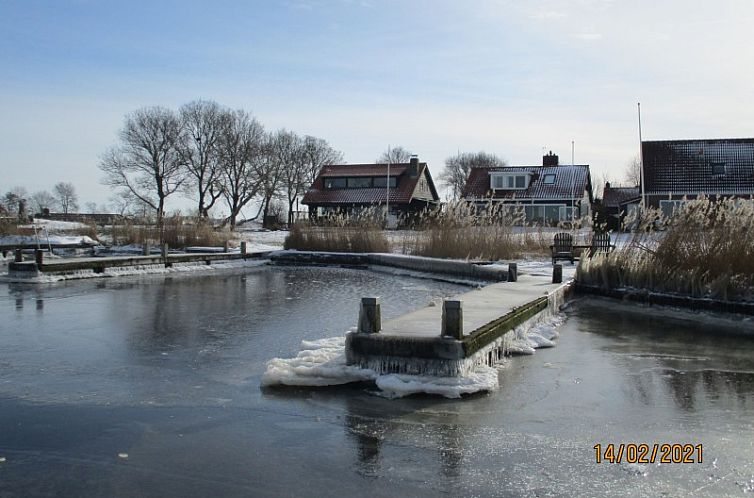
(395, 155)
(42, 200)
(272, 170)
(198, 147)
(91, 207)
(633, 172)
(15, 199)
(458, 168)
(289, 149)
(241, 160)
(317, 153)
(146, 162)
(65, 193)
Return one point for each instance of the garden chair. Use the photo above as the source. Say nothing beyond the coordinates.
(562, 247)
(600, 243)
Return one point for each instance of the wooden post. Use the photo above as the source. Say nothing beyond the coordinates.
(226, 246)
(165, 250)
(370, 318)
(512, 272)
(145, 248)
(243, 249)
(18, 256)
(557, 274)
(452, 319)
(39, 258)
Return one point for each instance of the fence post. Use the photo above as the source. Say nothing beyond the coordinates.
(452, 319)
(370, 318)
(512, 272)
(557, 273)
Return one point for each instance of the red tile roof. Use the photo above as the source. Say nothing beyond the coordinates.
(569, 181)
(687, 166)
(403, 193)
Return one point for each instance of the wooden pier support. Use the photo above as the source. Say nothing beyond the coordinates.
(557, 274)
(512, 272)
(226, 246)
(370, 318)
(39, 257)
(145, 248)
(18, 256)
(243, 249)
(452, 319)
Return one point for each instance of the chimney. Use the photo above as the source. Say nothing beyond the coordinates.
(413, 166)
(550, 159)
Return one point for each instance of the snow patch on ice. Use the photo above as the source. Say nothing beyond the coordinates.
(483, 378)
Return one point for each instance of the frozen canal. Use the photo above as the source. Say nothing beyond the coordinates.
(166, 373)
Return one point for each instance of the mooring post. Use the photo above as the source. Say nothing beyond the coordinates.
(226, 246)
(243, 249)
(145, 248)
(512, 272)
(557, 274)
(18, 256)
(165, 250)
(370, 318)
(39, 258)
(452, 319)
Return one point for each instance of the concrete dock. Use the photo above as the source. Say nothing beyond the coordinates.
(451, 338)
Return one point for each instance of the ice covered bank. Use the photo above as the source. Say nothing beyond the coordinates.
(450, 349)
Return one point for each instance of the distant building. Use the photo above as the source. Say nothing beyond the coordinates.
(674, 169)
(548, 194)
(617, 202)
(352, 188)
(96, 218)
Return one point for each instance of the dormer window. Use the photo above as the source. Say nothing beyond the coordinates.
(549, 179)
(718, 169)
(509, 181)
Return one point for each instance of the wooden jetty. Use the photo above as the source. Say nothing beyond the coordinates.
(451, 339)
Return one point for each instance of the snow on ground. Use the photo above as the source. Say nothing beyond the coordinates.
(261, 240)
(43, 239)
(56, 225)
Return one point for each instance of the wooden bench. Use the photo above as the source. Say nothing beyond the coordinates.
(562, 247)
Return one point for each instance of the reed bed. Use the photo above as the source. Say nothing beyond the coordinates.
(177, 232)
(705, 250)
(340, 233)
(465, 231)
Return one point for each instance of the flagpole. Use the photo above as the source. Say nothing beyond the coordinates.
(387, 191)
(641, 161)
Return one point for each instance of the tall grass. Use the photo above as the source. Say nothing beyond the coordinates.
(340, 233)
(177, 232)
(706, 249)
(465, 231)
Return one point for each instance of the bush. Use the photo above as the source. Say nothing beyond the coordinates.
(706, 249)
(177, 232)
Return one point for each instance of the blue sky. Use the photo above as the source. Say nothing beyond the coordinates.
(435, 76)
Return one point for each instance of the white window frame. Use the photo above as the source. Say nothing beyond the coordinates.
(507, 181)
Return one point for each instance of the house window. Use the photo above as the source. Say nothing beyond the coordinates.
(379, 181)
(718, 169)
(360, 182)
(669, 208)
(331, 183)
(508, 182)
(549, 179)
